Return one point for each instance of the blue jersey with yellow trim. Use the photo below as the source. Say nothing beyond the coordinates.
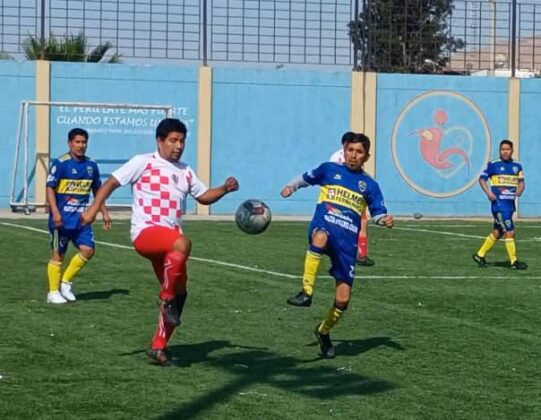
(343, 197)
(504, 177)
(72, 180)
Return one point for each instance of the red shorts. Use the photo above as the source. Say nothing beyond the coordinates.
(156, 241)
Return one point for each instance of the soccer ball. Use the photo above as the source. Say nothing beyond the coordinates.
(253, 216)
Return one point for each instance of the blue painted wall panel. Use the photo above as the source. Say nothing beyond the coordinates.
(17, 81)
(117, 135)
(530, 146)
(435, 134)
(269, 126)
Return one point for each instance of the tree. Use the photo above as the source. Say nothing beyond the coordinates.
(70, 48)
(404, 36)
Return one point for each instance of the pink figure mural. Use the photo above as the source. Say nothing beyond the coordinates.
(430, 144)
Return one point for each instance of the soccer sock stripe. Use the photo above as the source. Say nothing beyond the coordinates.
(54, 274)
(76, 264)
(511, 249)
(173, 267)
(159, 341)
(333, 316)
(487, 245)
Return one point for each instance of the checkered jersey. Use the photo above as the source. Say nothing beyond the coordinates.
(159, 190)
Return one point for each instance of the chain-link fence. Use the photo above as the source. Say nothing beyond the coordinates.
(485, 34)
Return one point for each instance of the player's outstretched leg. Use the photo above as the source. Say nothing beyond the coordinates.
(311, 268)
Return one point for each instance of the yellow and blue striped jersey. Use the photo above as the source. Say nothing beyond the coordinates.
(504, 178)
(72, 180)
(344, 195)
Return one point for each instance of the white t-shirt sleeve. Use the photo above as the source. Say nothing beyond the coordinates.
(337, 157)
(131, 171)
(197, 188)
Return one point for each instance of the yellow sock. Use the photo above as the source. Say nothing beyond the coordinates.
(511, 249)
(311, 267)
(332, 318)
(54, 274)
(487, 245)
(76, 264)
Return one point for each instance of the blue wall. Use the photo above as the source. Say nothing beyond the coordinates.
(115, 136)
(17, 83)
(530, 146)
(269, 126)
(435, 134)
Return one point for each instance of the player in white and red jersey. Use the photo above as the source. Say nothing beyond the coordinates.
(362, 240)
(160, 183)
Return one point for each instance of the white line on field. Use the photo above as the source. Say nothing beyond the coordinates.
(292, 276)
(462, 235)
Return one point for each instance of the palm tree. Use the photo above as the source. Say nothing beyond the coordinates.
(70, 48)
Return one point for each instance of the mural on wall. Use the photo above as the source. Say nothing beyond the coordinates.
(438, 150)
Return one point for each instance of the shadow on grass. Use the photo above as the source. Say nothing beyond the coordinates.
(102, 294)
(356, 347)
(260, 366)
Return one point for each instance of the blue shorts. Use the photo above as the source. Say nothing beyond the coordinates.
(503, 221)
(60, 238)
(341, 249)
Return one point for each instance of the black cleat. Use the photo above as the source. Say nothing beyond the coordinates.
(481, 261)
(300, 299)
(325, 344)
(159, 357)
(365, 261)
(171, 313)
(518, 265)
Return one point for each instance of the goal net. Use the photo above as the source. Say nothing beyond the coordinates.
(116, 133)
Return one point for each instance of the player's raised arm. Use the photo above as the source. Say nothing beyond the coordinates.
(99, 200)
(308, 178)
(214, 194)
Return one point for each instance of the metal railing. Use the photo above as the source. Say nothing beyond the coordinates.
(493, 34)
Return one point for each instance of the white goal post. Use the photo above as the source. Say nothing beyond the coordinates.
(31, 160)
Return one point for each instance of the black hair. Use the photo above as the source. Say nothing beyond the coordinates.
(347, 137)
(350, 137)
(170, 125)
(77, 132)
(506, 141)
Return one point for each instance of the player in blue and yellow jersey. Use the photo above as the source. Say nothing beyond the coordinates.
(72, 177)
(346, 190)
(506, 179)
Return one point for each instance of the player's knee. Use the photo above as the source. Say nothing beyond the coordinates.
(319, 238)
(183, 245)
(341, 304)
(87, 253)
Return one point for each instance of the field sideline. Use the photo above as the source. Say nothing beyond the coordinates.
(427, 335)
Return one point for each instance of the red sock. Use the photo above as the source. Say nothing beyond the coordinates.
(162, 334)
(174, 264)
(363, 246)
